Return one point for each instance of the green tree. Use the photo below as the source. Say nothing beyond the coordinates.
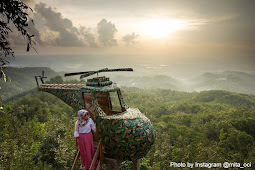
(14, 11)
(56, 80)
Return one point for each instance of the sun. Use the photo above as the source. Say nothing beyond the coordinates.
(160, 28)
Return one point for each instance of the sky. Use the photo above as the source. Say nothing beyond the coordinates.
(166, 30)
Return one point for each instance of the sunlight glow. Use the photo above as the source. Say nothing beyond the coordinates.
(160, 28)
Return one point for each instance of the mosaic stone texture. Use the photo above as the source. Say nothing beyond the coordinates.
(126, 136)
(69, 93)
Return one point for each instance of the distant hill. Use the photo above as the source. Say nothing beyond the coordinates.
(241, 82)
(22, 79)
(234, 81)
(158, 81)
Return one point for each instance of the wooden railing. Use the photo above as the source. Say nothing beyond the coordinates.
(76, 160)
(99, 150)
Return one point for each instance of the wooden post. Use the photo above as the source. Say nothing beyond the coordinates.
(136, 164)
(101, 153)
(76, 160)
(95, 156)
(98, 165)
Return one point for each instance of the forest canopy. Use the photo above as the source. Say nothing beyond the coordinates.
(210, 126)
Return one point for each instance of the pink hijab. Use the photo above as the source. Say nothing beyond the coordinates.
(81, 117)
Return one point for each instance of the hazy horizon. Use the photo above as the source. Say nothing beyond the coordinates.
(182, 69)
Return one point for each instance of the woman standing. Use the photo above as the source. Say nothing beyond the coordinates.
(84, 138)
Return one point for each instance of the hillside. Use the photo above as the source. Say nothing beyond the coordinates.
(158, 81)
(209, 126)
(22, 79)
(240, 82)
(234, 81)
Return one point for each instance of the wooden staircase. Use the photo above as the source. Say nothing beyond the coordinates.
(112, 164)
(98, 151)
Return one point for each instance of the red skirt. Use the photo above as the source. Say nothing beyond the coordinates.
(86, 146)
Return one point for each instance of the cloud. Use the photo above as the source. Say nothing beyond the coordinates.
(68, 35)
(34, 31)
(106, 31)
(88, 37)
(29, 2)
(17, 39)
(130, 39)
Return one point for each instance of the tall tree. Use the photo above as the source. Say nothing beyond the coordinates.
(14, 11)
